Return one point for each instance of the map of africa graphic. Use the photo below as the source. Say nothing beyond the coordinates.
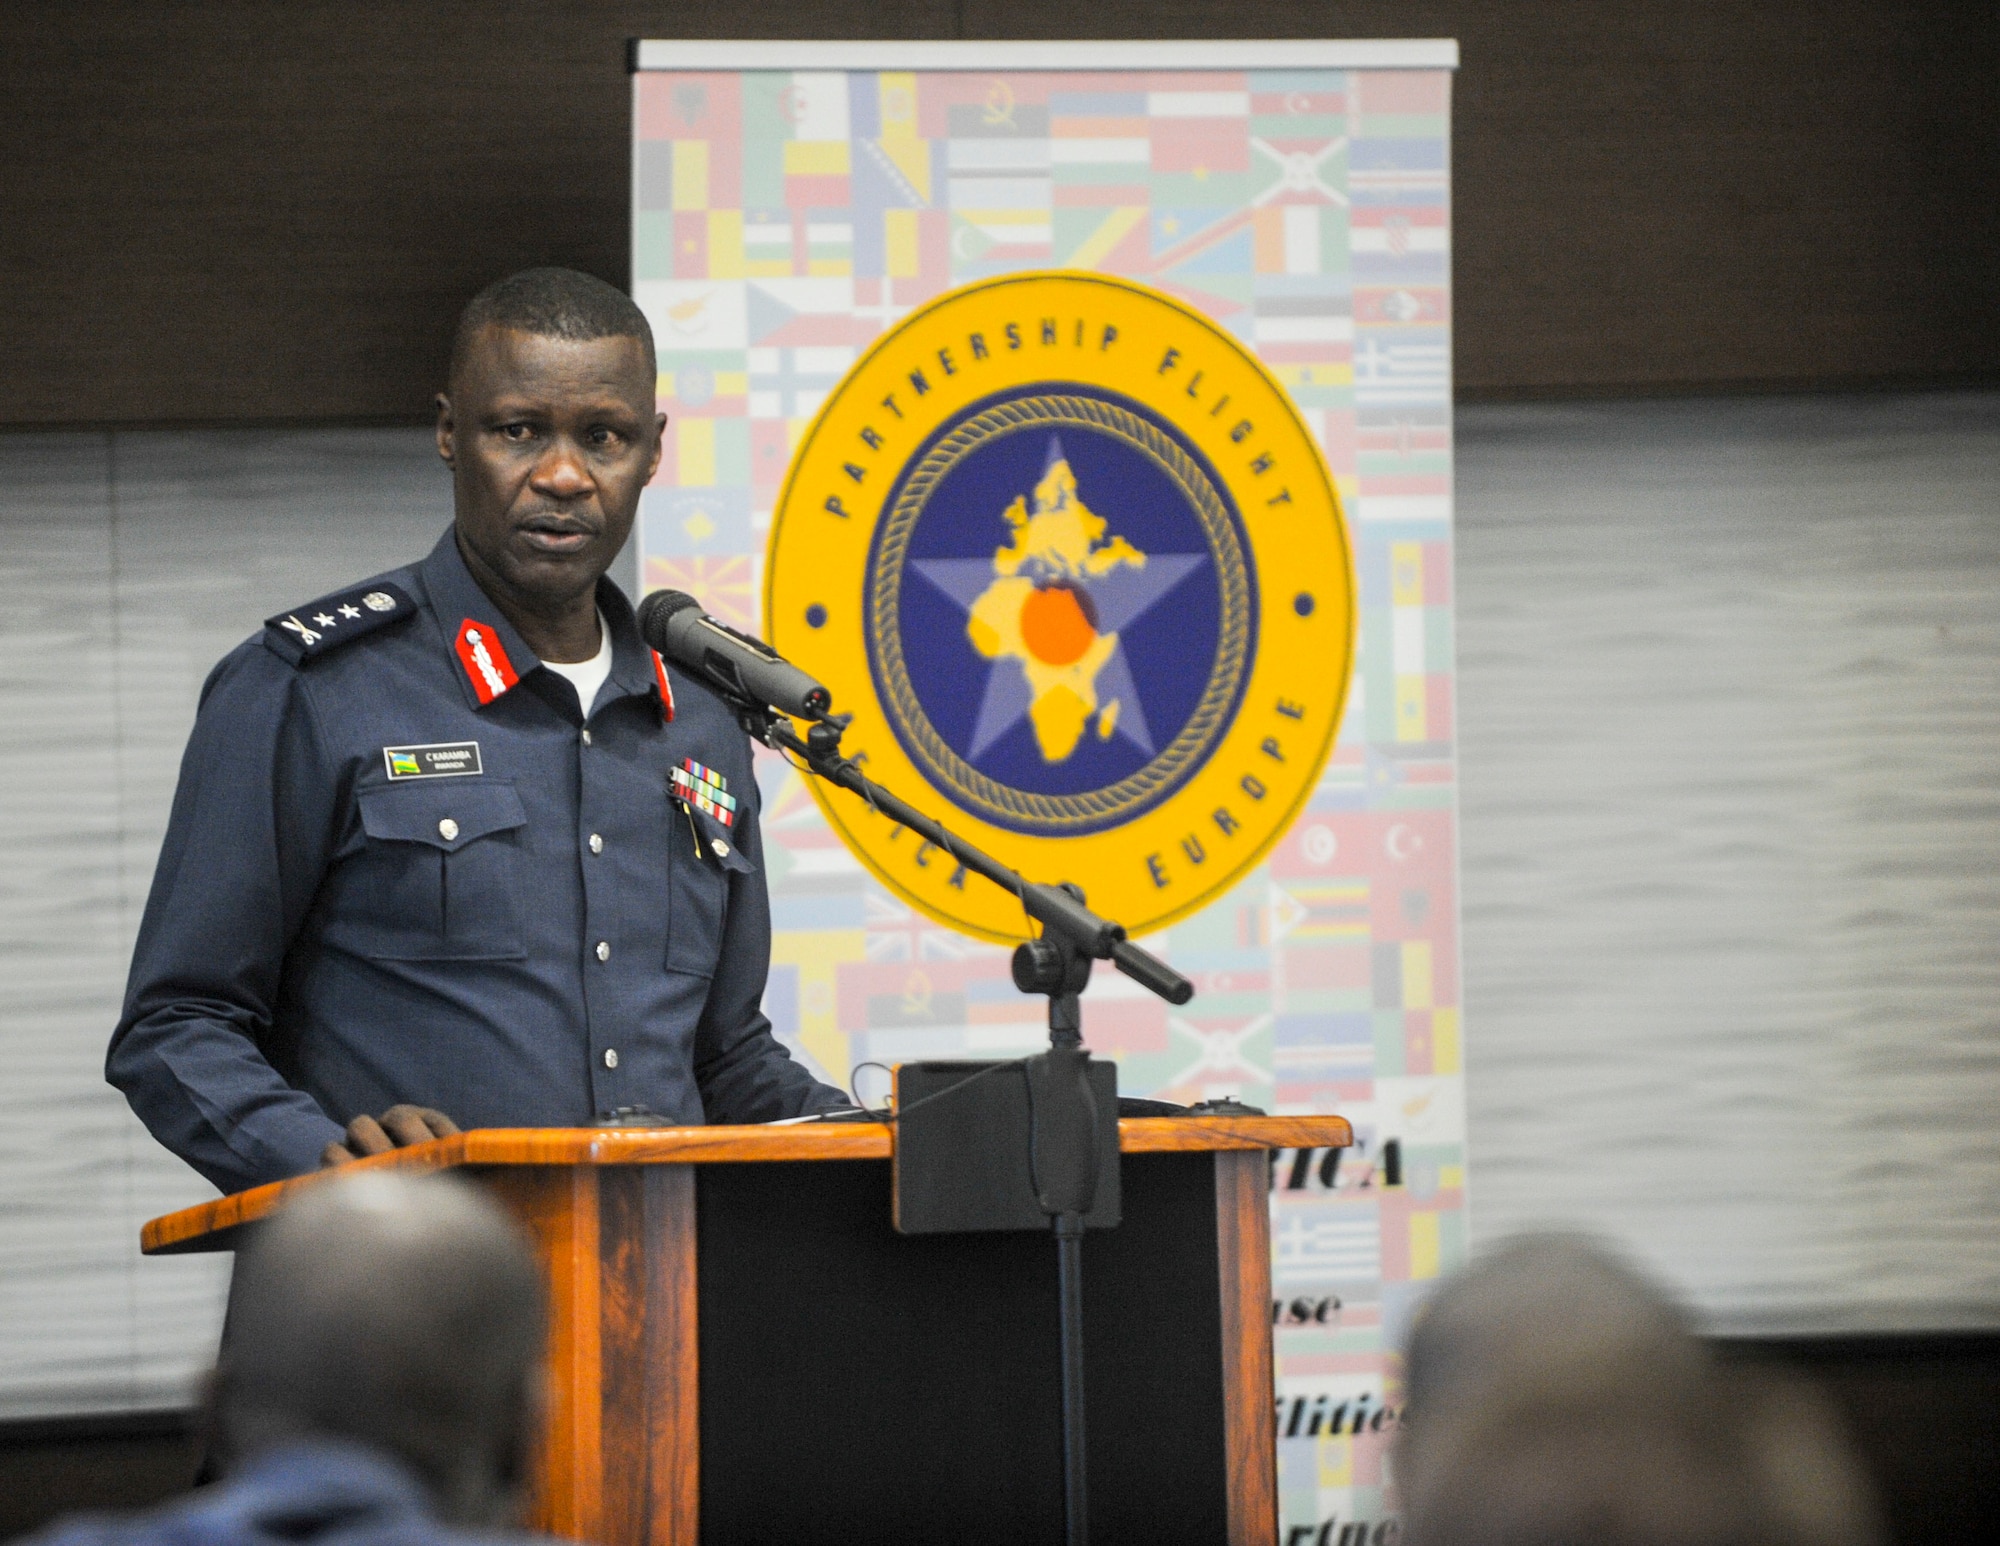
(1038, 612)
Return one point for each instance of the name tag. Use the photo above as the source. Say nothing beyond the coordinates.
(447, 759)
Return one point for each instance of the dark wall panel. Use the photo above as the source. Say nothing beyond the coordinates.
(1658, 196)
(244, 211)
(235, 211)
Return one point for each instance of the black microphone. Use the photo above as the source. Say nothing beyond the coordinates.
(733, 663)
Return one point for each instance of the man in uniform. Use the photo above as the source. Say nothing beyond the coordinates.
(452, 847)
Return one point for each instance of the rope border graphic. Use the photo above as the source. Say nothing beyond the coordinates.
(1097, 808)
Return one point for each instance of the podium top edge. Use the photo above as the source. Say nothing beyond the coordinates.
(696, 54)
(214, 1226)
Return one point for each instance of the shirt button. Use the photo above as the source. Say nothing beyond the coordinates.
(610, 1057)
(603, 950)
(448, 829)
(596, 844)
(586, 735)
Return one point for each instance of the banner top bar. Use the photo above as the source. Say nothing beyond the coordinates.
(1100, 55)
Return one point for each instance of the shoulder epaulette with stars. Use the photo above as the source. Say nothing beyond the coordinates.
(335, 620)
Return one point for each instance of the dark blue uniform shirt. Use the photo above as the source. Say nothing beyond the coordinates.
(401, 867)
(312, 1493)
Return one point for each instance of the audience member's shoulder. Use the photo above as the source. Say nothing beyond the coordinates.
(166, 1527)
(88, 1530)
(406, 1531)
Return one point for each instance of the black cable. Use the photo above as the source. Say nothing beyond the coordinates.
(854, 1081)
(892, 1114)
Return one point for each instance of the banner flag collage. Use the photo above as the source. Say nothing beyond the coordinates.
(782, 220)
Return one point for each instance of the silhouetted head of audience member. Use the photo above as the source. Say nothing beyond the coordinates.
(401, 1313)
(1554, 1397)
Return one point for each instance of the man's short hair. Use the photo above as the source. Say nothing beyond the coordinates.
(397, 1311)
(1556, 1397)
(553, 303)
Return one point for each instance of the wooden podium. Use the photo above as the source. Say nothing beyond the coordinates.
(743, 1350)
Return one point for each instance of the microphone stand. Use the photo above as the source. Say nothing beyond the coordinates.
(1057, 965)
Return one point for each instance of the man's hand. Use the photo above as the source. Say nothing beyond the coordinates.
(399, 1127)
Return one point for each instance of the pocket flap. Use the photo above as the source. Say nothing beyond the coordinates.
(447, 815)
(720, 841)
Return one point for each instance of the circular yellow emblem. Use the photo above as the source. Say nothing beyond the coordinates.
(1068, 555)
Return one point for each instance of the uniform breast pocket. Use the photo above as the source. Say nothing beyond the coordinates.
(698, 909)
(440, 872)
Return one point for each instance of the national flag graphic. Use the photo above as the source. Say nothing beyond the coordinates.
(725, 587)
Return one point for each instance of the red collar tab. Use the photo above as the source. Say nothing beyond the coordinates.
(485, 660)
(666, 688)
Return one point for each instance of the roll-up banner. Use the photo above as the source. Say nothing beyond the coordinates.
(1080, 414)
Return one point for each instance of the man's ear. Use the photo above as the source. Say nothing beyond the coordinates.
(518, 1446)
(445, 428)
(659, 444)
(211, 1428)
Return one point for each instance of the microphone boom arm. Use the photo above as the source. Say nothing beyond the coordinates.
(1060, 910)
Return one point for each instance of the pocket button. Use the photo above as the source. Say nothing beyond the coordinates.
(448, 829)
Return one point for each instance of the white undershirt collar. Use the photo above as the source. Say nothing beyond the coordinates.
(587, 676)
